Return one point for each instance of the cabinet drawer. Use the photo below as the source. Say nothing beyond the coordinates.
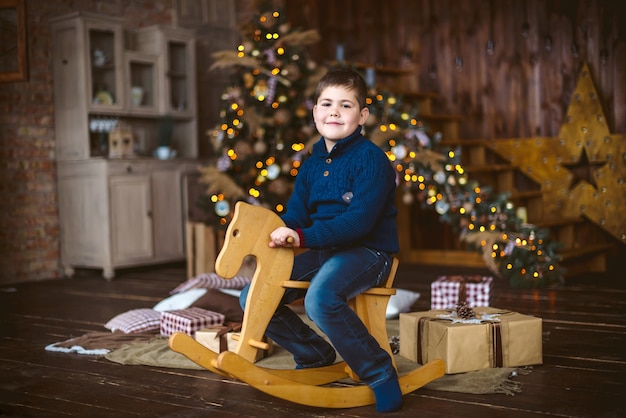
(129, 167)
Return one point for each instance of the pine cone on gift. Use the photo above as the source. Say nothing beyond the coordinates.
(464, 311)
(394, 343)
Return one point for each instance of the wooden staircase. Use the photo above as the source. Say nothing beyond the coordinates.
(571, 184)
(586, 246)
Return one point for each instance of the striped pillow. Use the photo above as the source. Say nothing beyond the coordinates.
(212, 281)
(135, 320)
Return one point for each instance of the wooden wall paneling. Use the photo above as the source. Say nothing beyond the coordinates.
(486, 107)
(444, 56)
(605, 57)
(211, 37)
(475, 34)
(521, 90)
(333, 33)
(550, 80)
(619, 114)
(386, 38)
(426, 39)
(412, 45)
(496, 74)
(304, 14)
(564, 58)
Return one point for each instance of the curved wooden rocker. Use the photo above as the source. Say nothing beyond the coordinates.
(248, 234)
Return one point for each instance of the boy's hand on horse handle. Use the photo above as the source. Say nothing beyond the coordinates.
(284, 237)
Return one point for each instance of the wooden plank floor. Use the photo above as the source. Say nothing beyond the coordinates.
(584, 371)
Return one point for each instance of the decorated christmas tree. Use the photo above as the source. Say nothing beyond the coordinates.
(265, 118)
(266, 130)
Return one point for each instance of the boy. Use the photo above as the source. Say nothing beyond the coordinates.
(342, 209)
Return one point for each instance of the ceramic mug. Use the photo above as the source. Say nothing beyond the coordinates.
(163, 153)
(136, 96)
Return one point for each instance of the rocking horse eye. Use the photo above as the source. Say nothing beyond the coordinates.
(235, 232)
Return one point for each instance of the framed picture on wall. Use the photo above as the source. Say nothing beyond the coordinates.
(13, 66)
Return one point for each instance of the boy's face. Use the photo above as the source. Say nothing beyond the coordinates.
(337, 113)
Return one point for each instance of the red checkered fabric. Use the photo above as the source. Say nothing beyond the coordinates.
(212, 281)
(444, 292)
(135, 320)
(189, 320)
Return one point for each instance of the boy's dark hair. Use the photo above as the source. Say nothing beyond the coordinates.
(344, 77)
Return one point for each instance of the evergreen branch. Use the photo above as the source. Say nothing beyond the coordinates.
(219, 182)
(227, 59)
(298, 38)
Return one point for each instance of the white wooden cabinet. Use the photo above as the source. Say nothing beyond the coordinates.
(121, 212)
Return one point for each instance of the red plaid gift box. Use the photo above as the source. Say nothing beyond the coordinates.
(447, 291)
(189, 320)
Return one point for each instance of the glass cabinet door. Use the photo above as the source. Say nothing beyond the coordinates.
(179, 77)
(141, 86)
(104, 49)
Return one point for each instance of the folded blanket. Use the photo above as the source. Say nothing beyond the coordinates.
(100, 343)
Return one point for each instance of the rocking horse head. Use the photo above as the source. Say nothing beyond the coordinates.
(249, 234)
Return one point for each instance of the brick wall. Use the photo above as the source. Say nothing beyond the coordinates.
(29, 222)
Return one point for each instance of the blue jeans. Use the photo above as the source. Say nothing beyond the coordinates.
(336, 276)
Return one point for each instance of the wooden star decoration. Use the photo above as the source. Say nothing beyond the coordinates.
(584, 142)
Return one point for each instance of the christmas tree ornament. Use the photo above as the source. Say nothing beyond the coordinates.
(260, 147)
(261, 90)
(222, 208)
(273, 171)
(442, 207)
(223, 163)
(440, 177)
(407, 198)
(400, 151)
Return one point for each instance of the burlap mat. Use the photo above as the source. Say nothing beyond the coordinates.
(488, 381)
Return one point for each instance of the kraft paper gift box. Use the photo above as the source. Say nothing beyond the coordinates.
(189, 320)
(447, 291)
(219, 339)
(495, 338)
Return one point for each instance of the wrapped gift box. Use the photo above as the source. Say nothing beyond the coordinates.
(189, 320)
(495, 338)
(220, 339)
(447, 291)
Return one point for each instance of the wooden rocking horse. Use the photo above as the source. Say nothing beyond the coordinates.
(248, 234)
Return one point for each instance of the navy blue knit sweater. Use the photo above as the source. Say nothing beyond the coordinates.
(345, 197)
